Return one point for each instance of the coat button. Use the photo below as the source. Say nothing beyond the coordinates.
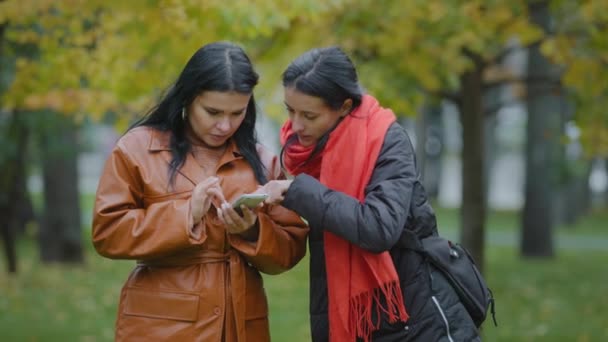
(217, 311)
(406, 328)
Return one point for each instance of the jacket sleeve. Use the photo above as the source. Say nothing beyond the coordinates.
(123, 228)
(282, 235)
(375, 224)
(281, 242)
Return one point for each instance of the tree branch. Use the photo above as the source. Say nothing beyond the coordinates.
(475, 57)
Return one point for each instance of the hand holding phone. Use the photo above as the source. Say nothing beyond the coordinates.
(249, 200)
(235, 218)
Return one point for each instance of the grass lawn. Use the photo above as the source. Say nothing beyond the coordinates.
(563, 299)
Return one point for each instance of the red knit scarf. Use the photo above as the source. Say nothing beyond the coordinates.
(356, 279)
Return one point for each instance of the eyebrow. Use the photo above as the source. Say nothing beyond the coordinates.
(211, 109)
(304, 111)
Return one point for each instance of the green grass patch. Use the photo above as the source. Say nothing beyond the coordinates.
(561, 299)
(595, 223)
(60, 302)
(497, 220)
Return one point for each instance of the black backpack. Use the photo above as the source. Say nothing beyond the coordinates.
(457, 265)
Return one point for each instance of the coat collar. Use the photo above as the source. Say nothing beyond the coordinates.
(160, 141)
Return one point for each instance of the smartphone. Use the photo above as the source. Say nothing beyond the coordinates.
(249, 200)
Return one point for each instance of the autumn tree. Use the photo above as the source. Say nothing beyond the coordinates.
(544, 129)
(409, 51)
(441, 49)
(96, 60)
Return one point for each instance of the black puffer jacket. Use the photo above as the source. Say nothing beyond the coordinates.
(395, 200)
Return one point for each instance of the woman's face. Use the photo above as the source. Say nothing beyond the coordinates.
(310, 117)
(214, 115)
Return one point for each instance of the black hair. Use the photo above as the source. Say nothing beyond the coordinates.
(220, 66)
(327, 73)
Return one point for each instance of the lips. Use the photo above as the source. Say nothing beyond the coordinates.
(219, 137)
(305, 139)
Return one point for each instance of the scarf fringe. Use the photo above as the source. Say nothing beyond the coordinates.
(361, 322)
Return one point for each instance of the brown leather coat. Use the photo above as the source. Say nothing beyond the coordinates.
(190, 283)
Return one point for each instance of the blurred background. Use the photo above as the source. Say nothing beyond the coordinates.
(505, 101)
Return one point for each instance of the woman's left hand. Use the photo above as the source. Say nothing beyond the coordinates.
(235, 223)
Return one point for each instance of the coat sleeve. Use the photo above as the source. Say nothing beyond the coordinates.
(123, 228)
(375, 224)
(282, 235)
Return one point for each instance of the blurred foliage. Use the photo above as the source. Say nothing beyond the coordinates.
(433, 43)
(94, 57)
(579, 44)
(88, 58)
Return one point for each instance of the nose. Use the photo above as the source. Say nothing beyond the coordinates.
(296, 125)
(223, 124)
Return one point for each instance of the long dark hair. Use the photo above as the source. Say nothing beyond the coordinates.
(220, 66)
(327, 73)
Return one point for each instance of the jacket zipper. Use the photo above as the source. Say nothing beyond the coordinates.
(445, 320)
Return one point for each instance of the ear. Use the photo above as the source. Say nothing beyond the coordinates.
(346, 107)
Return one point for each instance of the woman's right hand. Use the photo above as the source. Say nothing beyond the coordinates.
(276, 190)
(202, 197)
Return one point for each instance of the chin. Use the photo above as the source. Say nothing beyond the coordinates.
(216, 144)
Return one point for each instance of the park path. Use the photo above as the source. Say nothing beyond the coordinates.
(562, 241)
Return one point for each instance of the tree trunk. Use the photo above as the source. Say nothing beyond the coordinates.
(583, 191)
(9, 128)
(60, 238)
(6, 208)
(421, 130)
(606, 190)
(13, 166)
(24, 208)
(490, 150)
(473, 211)
(542, 148)
(577, 196)
(492, 100)
(429, 147)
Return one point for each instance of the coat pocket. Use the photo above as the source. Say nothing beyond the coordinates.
(161, 304)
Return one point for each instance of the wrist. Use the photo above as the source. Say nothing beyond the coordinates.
(287, 186)
(196, 228)
(252, 233)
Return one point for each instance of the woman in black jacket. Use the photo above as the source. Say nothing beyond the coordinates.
(356, 184)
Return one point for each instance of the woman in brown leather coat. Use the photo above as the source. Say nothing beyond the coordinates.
(163, 200)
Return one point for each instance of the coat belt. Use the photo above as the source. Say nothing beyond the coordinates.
(200, 257)
(233, 260)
